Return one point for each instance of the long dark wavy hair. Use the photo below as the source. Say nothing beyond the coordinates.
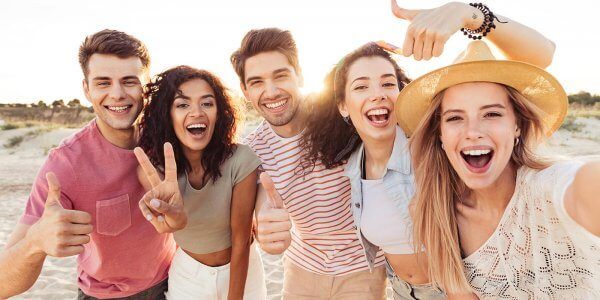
(328, 137)
(157, 127)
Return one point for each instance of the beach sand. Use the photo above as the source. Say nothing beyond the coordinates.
(20, 164)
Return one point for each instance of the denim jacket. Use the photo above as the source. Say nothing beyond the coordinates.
(398, 181)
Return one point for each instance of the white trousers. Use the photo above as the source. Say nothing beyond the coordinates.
(190, 279)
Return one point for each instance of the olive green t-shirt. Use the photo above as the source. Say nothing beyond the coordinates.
(208, 209)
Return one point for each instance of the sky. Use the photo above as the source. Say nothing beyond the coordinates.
(39, 39)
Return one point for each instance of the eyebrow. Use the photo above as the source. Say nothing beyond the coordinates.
(108, 78)
(180, 95)
(366, 78)
(280, 70)
(481, 108)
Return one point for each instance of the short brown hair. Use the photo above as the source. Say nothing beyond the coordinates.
(112, 42)
(257, 41)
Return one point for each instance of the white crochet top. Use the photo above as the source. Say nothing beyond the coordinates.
(537, 250)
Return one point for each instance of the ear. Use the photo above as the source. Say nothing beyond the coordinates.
(343, 109)
(86, 89)
(244, 91)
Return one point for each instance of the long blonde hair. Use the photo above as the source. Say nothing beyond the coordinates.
(439, 187)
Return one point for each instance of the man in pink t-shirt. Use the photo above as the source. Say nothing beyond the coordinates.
(85, 198)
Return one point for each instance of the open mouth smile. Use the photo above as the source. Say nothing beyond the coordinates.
(378, 117)
(477, 160)
(197, 130)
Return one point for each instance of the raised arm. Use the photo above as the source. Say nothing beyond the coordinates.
(582, 200)
(429, 30)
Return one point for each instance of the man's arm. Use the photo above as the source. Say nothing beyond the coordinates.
(59, 232)
(20, 263)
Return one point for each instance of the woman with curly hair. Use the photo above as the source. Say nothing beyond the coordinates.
(190, 122)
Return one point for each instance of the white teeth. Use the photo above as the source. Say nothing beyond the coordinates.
(196, 126)
(476, 152)
(118, 108)
(276, 104)
(378, 112)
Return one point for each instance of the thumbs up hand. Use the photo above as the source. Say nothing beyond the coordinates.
(430, 29)
(59, 232)
(273, 230)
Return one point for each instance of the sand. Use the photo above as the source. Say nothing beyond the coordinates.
(19, 166)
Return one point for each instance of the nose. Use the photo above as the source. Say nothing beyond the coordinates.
(117, 92)
(474, 130)
(271, 90)
(378, 95)
(196, 110)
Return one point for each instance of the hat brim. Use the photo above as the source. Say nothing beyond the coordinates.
(537, 85)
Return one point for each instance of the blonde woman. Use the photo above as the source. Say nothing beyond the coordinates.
(495, 218)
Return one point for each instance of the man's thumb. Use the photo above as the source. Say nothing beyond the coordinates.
(53, 190)
(272, 193)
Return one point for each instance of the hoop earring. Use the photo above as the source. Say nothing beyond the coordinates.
(443, 147)
(516, 141)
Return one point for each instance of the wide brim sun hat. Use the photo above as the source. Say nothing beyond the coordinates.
(478, 64)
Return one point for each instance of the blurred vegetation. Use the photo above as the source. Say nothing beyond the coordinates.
(585, 98)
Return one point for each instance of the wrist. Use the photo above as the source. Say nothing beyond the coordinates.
(473, 17)
(32, 244)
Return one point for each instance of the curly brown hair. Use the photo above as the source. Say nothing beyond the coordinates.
(328, 137)
(157, 127)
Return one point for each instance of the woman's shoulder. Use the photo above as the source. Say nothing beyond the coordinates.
(242, 151)
(555, 171)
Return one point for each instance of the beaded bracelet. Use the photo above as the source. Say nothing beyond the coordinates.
(486, 26)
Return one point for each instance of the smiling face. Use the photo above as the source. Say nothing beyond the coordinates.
(478, 131)
(114, 87)
(194, 115)
(273, 87)
(370, 93)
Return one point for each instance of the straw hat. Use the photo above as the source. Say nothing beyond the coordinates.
(477, 63)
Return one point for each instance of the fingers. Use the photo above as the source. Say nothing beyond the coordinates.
(170, 165)
(160, 206)
(53, 190)
(275, 237)
(402, 13)
(81, 229)
(272, 193)
(67, 251)
(146, 212)
(147, 166)
(273, 215)
(418, 47)
(76, 240)
(274, 247)
(78, 217)
(438, 46)
(428, 46)
(265, 228)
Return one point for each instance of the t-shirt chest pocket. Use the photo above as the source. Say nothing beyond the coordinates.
(113, 215)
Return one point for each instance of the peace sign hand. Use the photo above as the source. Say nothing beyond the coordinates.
(163, 204)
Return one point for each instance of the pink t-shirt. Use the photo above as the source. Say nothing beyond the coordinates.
(125, 255)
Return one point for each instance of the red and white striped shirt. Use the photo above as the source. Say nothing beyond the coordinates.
(324, 239)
